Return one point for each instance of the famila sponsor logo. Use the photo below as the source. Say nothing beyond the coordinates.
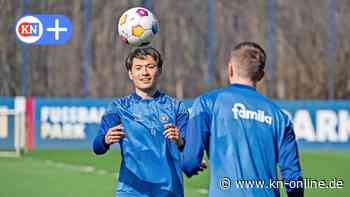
(240, 111)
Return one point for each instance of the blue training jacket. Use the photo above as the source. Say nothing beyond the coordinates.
(150, 163)
(245, 136)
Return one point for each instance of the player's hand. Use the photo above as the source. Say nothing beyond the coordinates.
(173, 133)
(202, 167)
(114, 134)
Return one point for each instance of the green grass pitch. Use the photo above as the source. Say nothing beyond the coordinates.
(73, 173)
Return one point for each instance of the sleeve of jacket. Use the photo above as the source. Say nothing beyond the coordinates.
(289, 159)
(181, 119)
(196, 137)
(109, 119)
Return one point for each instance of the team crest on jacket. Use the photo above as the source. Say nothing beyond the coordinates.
(163, 118)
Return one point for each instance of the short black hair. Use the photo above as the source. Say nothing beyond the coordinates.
(141, 53)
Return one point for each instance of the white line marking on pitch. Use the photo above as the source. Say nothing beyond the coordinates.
(202, 191)
(78, 168)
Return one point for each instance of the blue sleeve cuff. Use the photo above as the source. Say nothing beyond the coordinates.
(190, 167)
(297, 190)
(297, 193)
(100, 146)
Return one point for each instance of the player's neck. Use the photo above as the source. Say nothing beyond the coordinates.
(146, 94)
(242, 81)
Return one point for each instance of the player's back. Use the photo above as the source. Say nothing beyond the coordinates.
(243, 147)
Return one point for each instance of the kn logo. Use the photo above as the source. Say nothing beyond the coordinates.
(44, 29)
(29, 29)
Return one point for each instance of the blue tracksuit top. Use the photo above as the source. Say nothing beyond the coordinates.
(150, 163)
(246, 136)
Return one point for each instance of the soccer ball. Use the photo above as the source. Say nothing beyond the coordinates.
(137, 26)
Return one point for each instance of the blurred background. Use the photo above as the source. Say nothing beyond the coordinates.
(307, 44)
(52, 97)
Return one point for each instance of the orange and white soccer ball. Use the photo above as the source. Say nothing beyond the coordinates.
(137, 26)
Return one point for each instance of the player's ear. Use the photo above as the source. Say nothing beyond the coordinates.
(231, 71)
(130, 75)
